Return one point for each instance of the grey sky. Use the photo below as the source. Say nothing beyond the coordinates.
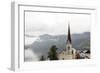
(38, 23)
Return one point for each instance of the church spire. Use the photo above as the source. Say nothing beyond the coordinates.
(69, 35)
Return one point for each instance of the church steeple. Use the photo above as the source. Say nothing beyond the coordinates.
(69, 41)
(69, 35)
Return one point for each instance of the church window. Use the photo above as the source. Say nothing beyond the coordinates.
(68, 48)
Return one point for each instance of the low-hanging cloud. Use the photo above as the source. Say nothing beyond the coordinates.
(30, 55)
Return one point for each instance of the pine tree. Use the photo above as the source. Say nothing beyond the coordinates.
(52, 54)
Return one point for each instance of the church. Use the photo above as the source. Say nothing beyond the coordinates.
(69, 52)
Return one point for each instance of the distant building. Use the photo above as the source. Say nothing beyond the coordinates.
(85, 54)
(68, 52)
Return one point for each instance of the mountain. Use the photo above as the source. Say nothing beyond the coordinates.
(42, 45)
(80, 41)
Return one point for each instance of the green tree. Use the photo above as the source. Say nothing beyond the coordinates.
(52, 54)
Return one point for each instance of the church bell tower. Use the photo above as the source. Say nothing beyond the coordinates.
(69, 40)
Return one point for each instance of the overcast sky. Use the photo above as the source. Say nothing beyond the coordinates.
(38, 23)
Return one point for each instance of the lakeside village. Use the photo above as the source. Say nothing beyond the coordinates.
(68, 53)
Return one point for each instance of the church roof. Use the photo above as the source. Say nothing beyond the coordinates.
(69, 34)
